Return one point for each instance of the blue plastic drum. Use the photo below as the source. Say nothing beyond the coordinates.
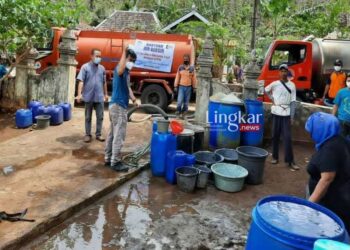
(253, 133)
(290, 223)
(224, 117)
(56, 114)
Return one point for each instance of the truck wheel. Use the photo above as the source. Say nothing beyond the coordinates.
(156, 95)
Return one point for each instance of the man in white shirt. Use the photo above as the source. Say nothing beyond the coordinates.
(283, 96)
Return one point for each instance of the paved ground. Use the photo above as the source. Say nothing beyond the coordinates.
(148, 213)
(55, 171)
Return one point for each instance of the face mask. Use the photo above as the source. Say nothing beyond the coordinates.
(129, 65)
(186, 62)
(348, 83)
(337, 68)
(97, 60)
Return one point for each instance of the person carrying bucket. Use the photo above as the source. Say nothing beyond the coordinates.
(283, 96)
(329, 167)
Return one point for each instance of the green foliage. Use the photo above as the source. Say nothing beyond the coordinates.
(24, 22)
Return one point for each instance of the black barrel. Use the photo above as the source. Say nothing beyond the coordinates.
(185, 141)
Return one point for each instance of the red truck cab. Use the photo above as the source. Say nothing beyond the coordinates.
(297, 55)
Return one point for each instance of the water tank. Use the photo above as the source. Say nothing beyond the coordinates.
(324, 53)
(24, 118)
(253, 133)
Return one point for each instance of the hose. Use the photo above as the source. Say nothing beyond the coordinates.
(133, 158)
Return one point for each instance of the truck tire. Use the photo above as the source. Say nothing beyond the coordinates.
(156, 95)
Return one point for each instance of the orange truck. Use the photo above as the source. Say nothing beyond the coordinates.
(310, 62)
(154, 85)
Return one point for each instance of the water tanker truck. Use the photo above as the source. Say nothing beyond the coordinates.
(152, 78)
(311, 63)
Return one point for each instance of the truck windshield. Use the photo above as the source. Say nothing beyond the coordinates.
(289, 54)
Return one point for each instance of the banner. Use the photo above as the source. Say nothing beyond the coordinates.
(153, 55)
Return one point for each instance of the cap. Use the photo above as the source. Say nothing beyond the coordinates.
(338, 62)
(283, 66)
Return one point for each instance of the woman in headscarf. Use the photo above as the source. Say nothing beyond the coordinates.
(329, 167)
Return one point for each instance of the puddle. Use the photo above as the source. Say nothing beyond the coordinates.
(148, 213)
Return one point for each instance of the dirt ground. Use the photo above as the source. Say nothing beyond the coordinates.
(148, 213)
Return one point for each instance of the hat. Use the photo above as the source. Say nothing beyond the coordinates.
(283, 66)
(338, 62)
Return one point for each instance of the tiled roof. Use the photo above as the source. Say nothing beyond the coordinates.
(130, 20)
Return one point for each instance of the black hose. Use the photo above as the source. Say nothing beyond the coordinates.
(142, 106)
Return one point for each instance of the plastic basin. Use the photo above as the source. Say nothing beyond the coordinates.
(229, 177)
(186, 178)
(208, 158)
(42, 121)
(230, 155)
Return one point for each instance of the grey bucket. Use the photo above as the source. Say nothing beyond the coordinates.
(230, 155)
(42, 121)
(186, 178)
(253, 159)
(162, 125)
(208, 158)
(203, 176)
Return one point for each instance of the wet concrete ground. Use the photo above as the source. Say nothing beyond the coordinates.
(148, 213)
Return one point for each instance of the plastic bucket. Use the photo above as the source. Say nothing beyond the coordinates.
(162, 125)
(203, 176)
(230, 155)
(289, 223)
(186, 178)
(253, 159)
(42, 121)
(207, 158)
(185, 141)
(229, 177)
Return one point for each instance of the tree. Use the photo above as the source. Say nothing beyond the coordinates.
(26, 22)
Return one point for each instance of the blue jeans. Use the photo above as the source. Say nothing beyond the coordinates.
(183, 98)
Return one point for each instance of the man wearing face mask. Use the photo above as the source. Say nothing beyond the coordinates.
(341, 108)
(335, 83)
(185, 82)
(92, 89)
(118, 110)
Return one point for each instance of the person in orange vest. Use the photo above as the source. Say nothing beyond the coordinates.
(335, 83)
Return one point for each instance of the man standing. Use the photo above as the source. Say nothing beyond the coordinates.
(341, 108)
(184, 82)
(335, 83)
(92, 89)
(118, 110)
(283, 96)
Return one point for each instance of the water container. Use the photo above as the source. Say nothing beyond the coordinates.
(254, 123)
(174, 160)
(67, 111)
(224, 118)
(24, 118)
(185, 141)
(56, 114)
(161, 144)
(289, 223)
(44, 110)
(34, 107)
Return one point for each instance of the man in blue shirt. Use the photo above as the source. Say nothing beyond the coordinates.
(118, 110)
(3, 70)
(92, 89)
(341, 107)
